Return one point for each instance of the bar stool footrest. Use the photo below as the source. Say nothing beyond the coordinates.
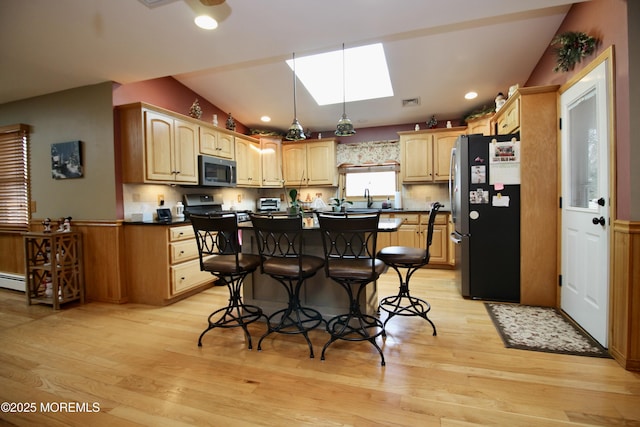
(406, 305)
(291, 321)
(234, 316)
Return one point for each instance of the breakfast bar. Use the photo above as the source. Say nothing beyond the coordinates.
(319, 292)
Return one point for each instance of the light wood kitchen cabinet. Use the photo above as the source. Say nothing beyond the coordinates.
(271, 160)
(249, 167)
(480, 125)
(442, 145)
(532, 111)
(425, 154)
(439, 250)
(507, 120)
(215, 142)
(157, 147)
(409, 231)
(163, 264)
(413, 233)
(387, 238)
(170, 149)
(310, 163)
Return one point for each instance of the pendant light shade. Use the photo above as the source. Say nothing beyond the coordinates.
(345, 127)
(295, 132)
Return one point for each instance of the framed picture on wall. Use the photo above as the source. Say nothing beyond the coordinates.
(66, 160)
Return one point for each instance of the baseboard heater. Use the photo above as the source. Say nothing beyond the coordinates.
(12, 281)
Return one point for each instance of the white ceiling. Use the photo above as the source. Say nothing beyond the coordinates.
(437, 50)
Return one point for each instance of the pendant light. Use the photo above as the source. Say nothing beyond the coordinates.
(295, 132)
(345, 127)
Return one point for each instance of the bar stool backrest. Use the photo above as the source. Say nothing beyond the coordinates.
(278, 236)
(431, 224)
(349, 237)
(216, 235)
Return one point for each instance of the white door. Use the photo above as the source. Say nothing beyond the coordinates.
(585, 202)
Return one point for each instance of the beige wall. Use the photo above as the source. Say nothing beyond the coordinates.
(84, 114)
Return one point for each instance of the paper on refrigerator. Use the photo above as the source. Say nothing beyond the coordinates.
(504, 162)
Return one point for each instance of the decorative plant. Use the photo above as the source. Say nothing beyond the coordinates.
(293, 194)
(195, 111)
(340, 203)
(571, 47)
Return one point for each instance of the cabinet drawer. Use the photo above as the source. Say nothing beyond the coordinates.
(181, 233)
(187, 275)
(440, 219)
(409, 218)
(183, 251)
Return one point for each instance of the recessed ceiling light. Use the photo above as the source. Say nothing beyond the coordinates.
(471, 95)
(206, 22)
(366, 74)
(265, 119)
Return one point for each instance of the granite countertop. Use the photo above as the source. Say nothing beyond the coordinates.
(175, 222)
(165, 223)
(385, 224)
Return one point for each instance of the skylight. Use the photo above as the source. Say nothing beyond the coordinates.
(366, 74)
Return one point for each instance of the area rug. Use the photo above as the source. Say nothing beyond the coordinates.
(541, 329)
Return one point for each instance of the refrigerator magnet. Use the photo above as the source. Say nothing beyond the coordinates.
(474, 215)
(479, 196)
(479, 174)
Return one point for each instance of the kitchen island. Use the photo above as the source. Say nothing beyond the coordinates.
(319, 292)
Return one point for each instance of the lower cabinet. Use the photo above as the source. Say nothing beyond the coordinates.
(413, 233)
(162, 264)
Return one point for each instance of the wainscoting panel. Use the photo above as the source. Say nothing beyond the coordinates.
(624, 343)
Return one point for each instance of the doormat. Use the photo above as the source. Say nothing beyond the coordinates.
(543, 329)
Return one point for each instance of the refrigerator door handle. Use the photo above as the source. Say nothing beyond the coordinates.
(452, 160)
(456, 237)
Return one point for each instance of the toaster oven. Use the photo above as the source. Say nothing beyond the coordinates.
(268, 204)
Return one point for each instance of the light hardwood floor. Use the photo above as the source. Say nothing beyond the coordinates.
(141, 365)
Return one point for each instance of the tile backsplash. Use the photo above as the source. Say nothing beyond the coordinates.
(144, 198)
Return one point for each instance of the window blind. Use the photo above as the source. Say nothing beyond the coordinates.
(14, 178)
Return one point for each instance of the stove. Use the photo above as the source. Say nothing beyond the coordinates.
(203, 204)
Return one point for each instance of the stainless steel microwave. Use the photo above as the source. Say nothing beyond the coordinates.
(216, 172)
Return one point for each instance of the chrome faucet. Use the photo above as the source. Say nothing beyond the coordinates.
(368, 197)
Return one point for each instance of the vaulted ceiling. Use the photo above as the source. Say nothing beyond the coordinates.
(437, 50)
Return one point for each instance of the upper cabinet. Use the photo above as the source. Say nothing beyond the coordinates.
(156, 147)
(507, 120)
(162, 147)
(271, 161)
(216, 142)
(481, 125)
(425, 154)
(310, 163)
(259, 162)
(248, 168)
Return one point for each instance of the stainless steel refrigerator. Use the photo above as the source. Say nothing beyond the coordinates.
(484, 191)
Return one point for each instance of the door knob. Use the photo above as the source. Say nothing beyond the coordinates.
(601, 201)
(600, 221)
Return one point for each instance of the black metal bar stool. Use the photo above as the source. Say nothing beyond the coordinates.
(219, 250)
(411, 259)
(349, 243)
(280, 243)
